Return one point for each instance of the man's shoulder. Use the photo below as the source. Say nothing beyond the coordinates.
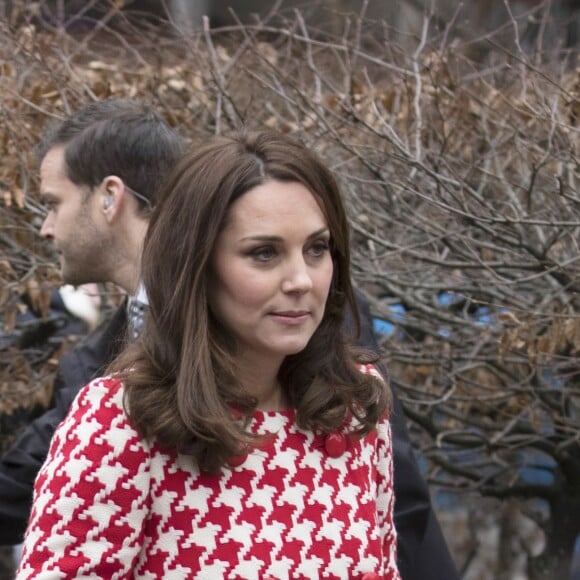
(90, 358)
(102, 340)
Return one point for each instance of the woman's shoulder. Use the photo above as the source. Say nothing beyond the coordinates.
(372, 370)
(103, 395)
(98, 415)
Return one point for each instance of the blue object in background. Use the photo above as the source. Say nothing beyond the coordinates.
(482, 317)
(397, 311)
(383, 327)
(386, 327)
(449, 298)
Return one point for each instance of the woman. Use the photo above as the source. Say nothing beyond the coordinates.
(239, 437)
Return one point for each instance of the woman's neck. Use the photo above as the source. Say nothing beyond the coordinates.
(260, 380)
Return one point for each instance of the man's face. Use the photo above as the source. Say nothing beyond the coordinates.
(75, 223)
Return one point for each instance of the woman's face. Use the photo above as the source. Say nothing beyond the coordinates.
(271, 270)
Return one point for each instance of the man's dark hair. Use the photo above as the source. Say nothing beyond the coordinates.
(121, 137)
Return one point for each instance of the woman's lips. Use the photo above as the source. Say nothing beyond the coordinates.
(291, 316)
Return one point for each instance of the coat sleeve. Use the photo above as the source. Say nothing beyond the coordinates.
(386, 499)
(91, 497)
(422, 552)
(20, 464)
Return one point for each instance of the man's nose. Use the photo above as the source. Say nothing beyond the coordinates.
(47, 228)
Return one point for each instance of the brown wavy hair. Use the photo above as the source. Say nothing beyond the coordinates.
(180, 376)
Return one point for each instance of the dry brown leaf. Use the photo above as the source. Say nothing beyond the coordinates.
(509, 318)
(18, 196)
(33, 292)
(508, 341)
(572, 333)
(10, 317)
(332, 101)
(267, 51)
(99, 65)
(7, 271)
(531, 351)
(544, 345)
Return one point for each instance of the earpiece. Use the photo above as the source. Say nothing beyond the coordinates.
(107, 202)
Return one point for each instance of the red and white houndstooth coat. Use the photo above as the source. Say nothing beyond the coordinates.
(111, 505)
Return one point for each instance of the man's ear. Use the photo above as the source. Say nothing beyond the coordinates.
(112, 192)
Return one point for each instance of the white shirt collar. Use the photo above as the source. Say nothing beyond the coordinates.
(141, 294)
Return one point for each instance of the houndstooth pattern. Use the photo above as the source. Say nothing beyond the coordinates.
(110, 505)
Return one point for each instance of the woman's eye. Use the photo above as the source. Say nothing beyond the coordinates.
(263, 253)
(319, 248)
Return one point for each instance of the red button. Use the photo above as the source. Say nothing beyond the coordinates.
(335, 444)
(370, 576)
(236, 413)
(237, 460)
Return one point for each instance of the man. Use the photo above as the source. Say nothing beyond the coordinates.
(100, 171)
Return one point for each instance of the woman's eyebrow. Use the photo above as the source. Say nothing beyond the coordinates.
(267, 238)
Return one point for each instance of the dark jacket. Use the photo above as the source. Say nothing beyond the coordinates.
(423, 553)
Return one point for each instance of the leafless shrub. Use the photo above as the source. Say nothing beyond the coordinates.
(462, 183)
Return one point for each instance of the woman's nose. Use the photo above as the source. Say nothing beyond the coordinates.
(297, 276)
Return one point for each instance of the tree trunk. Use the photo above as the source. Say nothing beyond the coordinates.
(555, 562)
